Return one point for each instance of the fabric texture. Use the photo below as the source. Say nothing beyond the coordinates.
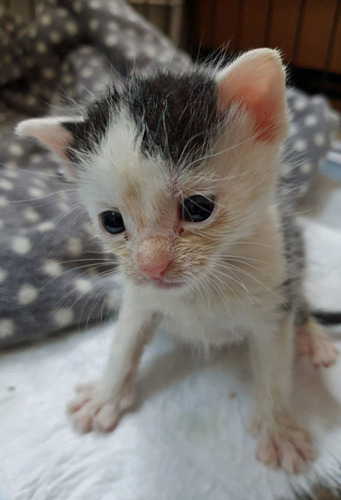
(186, 438)
(52, 274)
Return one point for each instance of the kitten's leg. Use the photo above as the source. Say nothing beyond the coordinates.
(99, 405)
(280, 441)
(312, 341)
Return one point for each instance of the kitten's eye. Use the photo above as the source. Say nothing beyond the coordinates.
(197, 208)
(112, 222)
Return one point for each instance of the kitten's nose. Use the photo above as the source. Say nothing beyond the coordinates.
(153, 257)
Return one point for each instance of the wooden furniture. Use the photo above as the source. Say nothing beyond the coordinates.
(308, 32)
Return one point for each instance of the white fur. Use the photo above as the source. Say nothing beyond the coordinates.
(210, 308)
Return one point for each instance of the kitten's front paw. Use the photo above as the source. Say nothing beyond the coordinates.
(92, 409)
(316, 346)
(285, 445)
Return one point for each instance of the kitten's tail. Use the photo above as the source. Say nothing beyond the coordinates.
(327, 317)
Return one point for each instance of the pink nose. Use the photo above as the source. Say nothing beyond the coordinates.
(153, 257)
(154, 269)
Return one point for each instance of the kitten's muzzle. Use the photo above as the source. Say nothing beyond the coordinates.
(153, 257)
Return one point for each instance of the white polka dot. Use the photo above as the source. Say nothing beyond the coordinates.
(165, 57)
(31, 100)
(32, 31)
(328, 115)
(111, 40)
(319, 139)
(86, 72)
(306, 167)
(41, 47)
(31, 215)
(6, 185)
(112, 301)
(3, 201)
(150, 51)
(21, 245)
(112, 26)
(303, 189)
(11, 165)
(94, 4)
(77, 6)
(71, 28)
(148, 37)
(7, 327)
(130, 32)
(27, 294)
(131, 53)
(36, 158)
(54, 36)
(94, 24)
(12, 174)
(45, 226)
(300, 145)
(49, 73)
(74, 247)
(67, 79)
(3, 275)
(100, 87)
(63, 206)
(45, 20)
(83, 285)
(30, 61)
(63, 13)
(39, 182)
(89, 228)
(310, 120)
(63, 317)
(16, 71)
(52, 267)
(35, 192)
(300, 104)
(15, 149)
(86, 51)
(286, 169)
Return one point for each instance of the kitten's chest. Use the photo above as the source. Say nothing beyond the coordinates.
(206, 324)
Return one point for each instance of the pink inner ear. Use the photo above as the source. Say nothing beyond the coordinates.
(256, 83)
(264, 110)
(56, 139)
(50, 132)
(262, 107)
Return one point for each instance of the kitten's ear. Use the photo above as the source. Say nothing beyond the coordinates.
(57, 134)
(256, 82)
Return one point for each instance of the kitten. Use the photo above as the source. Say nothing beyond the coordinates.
(181, 177)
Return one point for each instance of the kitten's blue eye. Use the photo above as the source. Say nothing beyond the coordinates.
(197, 208)
(112, 222)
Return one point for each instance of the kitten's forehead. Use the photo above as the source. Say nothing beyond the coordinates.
(175, 115)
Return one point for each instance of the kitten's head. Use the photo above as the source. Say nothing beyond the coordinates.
(175, 170)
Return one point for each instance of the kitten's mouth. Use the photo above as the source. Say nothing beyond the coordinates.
(159, 283)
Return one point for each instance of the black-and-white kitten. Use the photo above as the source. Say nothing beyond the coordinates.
(181, 177)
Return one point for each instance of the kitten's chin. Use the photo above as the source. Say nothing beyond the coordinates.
(165, 285)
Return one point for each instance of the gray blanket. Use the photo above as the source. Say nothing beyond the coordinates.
(53, 276)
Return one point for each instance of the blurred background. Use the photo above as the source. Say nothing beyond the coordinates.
(308, 32)
(53, 275)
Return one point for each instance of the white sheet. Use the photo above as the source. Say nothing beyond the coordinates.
(186, 438)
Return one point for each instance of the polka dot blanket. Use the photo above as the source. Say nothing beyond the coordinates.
(52, 273)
